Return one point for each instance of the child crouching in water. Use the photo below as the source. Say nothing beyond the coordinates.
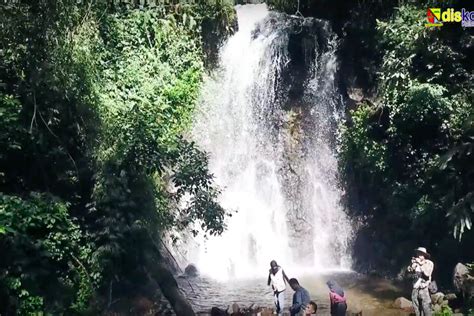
(311, 309)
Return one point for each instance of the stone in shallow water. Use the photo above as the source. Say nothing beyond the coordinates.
(235, 308)
(460, 274)
(191, 270)
(437, 298)
(215, 311)
(402, 303)
(451, 296)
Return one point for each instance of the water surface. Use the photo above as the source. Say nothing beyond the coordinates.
(373, 296)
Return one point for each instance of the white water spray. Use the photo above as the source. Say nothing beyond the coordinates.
(272, 157)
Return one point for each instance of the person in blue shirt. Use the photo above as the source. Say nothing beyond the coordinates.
(300, 298)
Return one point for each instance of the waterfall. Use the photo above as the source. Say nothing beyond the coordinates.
(267, 118)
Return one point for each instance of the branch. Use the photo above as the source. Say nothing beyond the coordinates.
(33, 119)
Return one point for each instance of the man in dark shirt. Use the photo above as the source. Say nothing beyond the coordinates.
(300, 298)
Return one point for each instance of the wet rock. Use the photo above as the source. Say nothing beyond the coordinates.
(191, 270)
(437, 298)
(463, 281)
(235, 309)
(402, 303)
(450, 296)
(355, 94)
(265, 312)
(216, 311)
(460, 274)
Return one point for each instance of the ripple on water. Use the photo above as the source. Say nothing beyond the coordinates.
(373, 296)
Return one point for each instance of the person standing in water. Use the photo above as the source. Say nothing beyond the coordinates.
(301, 298)
(277, 278)
(337, 299)
(422, 268)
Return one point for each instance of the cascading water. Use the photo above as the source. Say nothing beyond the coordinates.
(267, 119)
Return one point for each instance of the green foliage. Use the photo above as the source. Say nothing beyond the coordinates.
(410, 157)
(151, 78)
(151, 75)
(43, 253)
(283, 5)
(445, 311)
(94, 103)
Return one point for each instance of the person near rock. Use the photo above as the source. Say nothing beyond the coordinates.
(311, 309)
(421, 268)
(301, 298)
(337, 299)
(277, 279)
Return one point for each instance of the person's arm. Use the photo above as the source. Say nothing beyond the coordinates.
(285, 277)
(269, 279)
(297, 302)
(427, 269)
(411, 268)
(331, 303)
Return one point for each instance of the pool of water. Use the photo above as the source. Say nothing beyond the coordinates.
(373, 296)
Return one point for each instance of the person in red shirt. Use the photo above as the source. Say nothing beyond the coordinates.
(337, 298)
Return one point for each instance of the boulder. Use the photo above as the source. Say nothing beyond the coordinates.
(235, 309)
(191, 270)
(265, 312)
(402, 303)
(460, 274)
(463, 281)
(450, 296)
(437, 298)
(216, 311)
(142, 305)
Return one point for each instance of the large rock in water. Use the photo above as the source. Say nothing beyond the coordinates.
(463, 281)
(437, 298)
(191, 270)
(216, 311)
(451, 296)
(460, 274)
(403, 303)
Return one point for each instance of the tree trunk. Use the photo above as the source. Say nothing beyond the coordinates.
(158, 272)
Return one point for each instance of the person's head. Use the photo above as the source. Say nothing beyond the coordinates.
(294, 284)
(335, 288)
(331, 284)
(422, 253)
(312, 308)
(274, 265)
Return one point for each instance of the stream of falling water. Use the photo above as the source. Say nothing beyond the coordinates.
(267, 118)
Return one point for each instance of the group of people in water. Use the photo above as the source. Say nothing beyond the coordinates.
(302, 305)
(421, 269)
